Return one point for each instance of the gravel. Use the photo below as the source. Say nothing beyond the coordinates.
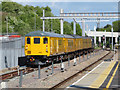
(47, 81)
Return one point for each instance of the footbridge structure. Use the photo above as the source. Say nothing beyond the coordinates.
(100, 34)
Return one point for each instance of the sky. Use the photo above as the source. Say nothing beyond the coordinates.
(74, 6)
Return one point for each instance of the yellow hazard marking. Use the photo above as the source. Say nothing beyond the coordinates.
(105, 89)
(99, 81)
(112, 76)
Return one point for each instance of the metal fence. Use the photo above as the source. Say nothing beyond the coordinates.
(10, 51)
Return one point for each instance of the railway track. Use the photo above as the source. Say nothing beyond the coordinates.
(64, 84)
(15, 73)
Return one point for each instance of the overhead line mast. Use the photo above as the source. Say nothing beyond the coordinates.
(83, 16)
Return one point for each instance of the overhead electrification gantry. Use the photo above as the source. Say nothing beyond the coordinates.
(98, 16)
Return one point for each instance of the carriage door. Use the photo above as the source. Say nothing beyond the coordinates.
(36, 46)
(45, 45)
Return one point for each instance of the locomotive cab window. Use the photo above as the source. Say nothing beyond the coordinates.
(36, 40)
(28, 40)
(45, 40)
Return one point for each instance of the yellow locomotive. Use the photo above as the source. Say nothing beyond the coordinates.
(40, 46)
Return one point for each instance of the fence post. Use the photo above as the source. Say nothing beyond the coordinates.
(68, 60)
(74, 61)
(52, 67)
(39, 71)
(87, 54)
(20, 80)
(62, 65)
(79, 58)
(90, 54)
(83, 56)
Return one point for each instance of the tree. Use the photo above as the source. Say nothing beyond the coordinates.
(108, 28)
(47, 9)
(67, 28)
(116, 26)
(56, 25)
(39, 11)
(22, 18)
(78, 29)
(11, 7)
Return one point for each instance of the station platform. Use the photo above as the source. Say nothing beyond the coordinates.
(104, 76)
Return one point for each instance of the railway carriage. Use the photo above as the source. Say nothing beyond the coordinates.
(43, 43)
(69, 43)
(40, 46)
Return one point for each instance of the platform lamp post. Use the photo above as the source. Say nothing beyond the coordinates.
(103, 41)
(7, 24)
(119, 49)
(112, 37)
(12, 28)
(119, 39)
(43, 21)
(35, 19)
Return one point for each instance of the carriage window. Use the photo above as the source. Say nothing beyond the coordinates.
(45, 41)
(70, 43)
(28, 40)
(36, 40)
(59, 42)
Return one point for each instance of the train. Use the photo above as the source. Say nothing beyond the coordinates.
(41, 47)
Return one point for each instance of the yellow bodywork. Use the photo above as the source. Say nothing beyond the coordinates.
(69, 44)
(55, 45)
(37, 49)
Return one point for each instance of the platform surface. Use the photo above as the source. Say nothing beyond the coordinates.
(106, 75)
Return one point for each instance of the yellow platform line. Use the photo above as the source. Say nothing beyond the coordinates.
(99, 81)
(112, 76)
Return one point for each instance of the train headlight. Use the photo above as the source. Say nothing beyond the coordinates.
(31, 60)
(26, 47)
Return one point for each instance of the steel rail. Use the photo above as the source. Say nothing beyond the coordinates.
(71, 77)
(15, 73)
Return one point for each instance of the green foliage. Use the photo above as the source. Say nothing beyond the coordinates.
(47, 9)
(11, 7)
(21, 19)
(108, 28)
(116, 26)
(78, 29)
(67, 28)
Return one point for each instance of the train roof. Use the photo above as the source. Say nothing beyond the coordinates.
(68, 36)
(41, 33)
(77, 36)
(51, 34)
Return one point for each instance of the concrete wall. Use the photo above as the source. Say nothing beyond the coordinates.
(10, 50)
